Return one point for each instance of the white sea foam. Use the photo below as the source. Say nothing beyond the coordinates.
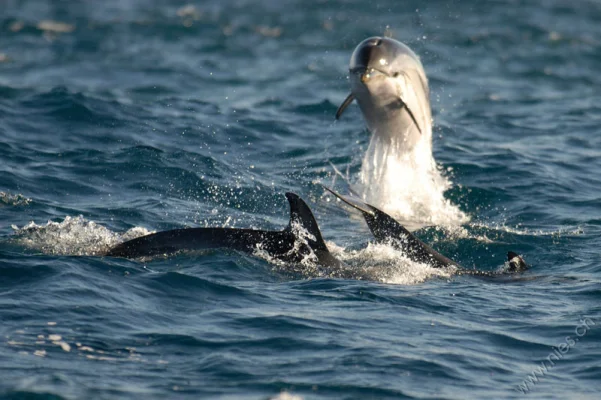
(13, 199)
(383, 263)
(73, 236)
(519, 230)
(307, 266)
(376, 262)
(29, 343)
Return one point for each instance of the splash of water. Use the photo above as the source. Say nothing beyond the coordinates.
(13, 199)
(383, 263)
(407, 184)
(73, 236)
(308, 266)
(377, 262)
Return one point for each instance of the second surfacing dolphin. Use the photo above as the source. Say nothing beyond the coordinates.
(387, 230)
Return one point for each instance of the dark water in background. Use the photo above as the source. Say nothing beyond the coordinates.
(153, 115)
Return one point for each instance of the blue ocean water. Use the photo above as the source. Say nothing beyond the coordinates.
(123, 117)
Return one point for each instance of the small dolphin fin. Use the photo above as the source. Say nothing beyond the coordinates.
(516, 262)
(349, 99)
(352, 201)
(301, 214)
(381, 225)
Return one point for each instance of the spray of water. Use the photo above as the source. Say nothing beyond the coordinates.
(407, 184)
(73, 236)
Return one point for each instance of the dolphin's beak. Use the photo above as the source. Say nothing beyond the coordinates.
(364, 71)
(367, 74)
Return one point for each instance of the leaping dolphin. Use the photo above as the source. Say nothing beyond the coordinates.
(389, 83)
(298, 240)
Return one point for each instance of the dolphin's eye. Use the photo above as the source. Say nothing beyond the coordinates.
(396, 74)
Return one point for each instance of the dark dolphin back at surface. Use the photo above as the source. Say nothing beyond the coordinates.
(285, 245)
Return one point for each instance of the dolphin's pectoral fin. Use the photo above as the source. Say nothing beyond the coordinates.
(349, 99)
(516, 262)
(406, 107)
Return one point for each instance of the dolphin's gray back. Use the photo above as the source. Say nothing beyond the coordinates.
(293, 244)
(167, 242)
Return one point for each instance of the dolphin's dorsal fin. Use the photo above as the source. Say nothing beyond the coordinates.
(301, 214)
